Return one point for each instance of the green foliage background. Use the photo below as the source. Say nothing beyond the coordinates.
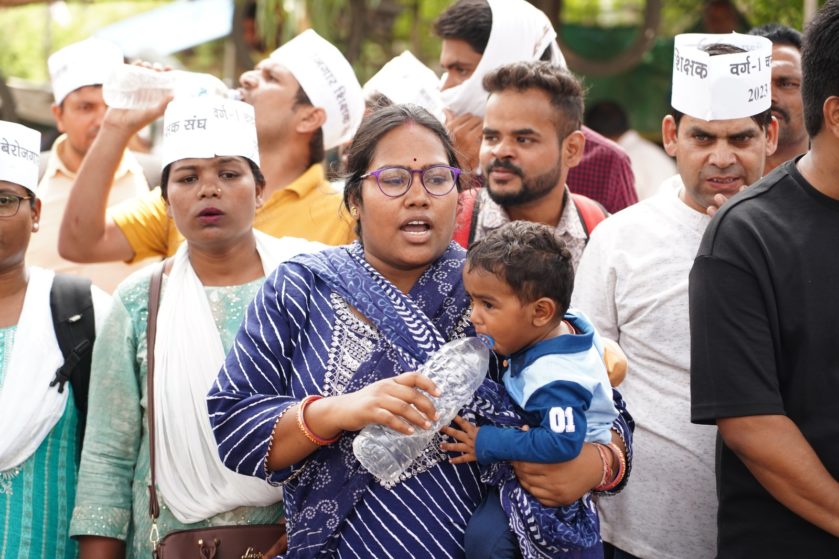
(371, 32)
(390, 26)
(26, 37)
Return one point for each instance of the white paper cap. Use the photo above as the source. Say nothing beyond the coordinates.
(521, 32)
(89, 62)
(328, 80)
(206, 127)
(20, 149)
(725, 86)
(407, 80)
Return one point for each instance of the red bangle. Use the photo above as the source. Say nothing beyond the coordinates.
(604, 458)
(301, 422)
(621, 469)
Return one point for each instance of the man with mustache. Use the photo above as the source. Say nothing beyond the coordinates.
(531, 138)
(77, 73)
(787, 105)
(479, 36)
(632, 282)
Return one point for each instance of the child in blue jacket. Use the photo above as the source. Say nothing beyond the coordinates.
(520, 279)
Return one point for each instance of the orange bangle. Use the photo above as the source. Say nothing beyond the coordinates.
(301, 422)
(606, 461)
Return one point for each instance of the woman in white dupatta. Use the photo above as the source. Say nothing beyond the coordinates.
(39, 425)
(212, 185)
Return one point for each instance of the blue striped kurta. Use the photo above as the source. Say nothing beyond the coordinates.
(299, 338)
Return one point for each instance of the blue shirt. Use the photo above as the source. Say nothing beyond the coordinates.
(562, 386)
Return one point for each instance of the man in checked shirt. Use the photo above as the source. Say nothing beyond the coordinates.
(478, 36)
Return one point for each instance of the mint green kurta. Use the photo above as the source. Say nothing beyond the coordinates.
(112, 494)
(36, 497)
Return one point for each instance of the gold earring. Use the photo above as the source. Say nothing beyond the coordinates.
(354, 212)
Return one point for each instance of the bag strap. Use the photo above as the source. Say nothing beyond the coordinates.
(591, 212)
(151, 335)
(73, 320)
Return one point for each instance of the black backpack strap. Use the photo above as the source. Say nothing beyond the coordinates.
(71, 304)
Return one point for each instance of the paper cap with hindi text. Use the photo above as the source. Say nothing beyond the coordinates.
(407, 80)
(521, 32)
(206, 127)
(328, 80)
(725, 86)
(20, 149)
(89, 62)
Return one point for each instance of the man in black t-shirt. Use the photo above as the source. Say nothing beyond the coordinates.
(764, 309)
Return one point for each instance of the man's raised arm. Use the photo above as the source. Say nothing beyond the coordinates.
(87, 233)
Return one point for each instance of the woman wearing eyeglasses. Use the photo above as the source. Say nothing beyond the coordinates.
(40, 419)
(328, 347)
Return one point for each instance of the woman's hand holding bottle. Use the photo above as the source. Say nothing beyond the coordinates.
(394, 402)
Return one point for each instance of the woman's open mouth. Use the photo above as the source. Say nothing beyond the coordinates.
(210, 215)
(416, 230)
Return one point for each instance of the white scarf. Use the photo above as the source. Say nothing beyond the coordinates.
(520, 32)
(29, 406)
(188, 355)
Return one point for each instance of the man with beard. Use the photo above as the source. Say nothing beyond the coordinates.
(77, 73)
(479, 36)
(787, 105)
(531, 138)
(632, 282)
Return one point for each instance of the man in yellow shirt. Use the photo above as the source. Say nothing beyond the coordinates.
(77, 72)
(306, 98)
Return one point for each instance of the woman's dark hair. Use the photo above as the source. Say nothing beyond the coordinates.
(164, 177)
(530, 258)
(366, 140)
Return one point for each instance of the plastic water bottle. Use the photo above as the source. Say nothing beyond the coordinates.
(135, 87)
(457, 368)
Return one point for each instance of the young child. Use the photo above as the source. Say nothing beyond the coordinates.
(520, 279)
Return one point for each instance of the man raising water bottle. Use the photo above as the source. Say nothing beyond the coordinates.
(307, 99)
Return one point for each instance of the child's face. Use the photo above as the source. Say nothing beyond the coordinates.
(498, 312)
